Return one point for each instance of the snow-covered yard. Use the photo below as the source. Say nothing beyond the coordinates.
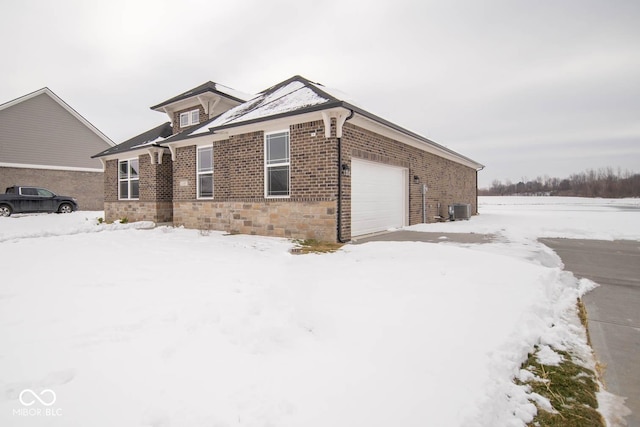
(173, 327)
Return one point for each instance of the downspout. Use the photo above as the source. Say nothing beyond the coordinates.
(477, 170)
(340, 239)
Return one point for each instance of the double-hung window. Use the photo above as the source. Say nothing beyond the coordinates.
(277, 164)
(205, 173)
(128, 179)
(189, 118)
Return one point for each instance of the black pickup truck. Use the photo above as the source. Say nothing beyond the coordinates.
(19, 199)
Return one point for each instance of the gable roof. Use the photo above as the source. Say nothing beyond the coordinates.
(56, 98)
(150, 138)
(295, 96)
(209, 86)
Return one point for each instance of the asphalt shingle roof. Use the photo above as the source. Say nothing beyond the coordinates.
(293, 96)
(207, 87)
(152, 137)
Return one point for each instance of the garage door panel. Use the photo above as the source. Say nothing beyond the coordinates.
(378, 197)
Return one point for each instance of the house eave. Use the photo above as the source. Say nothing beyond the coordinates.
(392, 131)
(126, 154)
(207, 93)
(286, 115)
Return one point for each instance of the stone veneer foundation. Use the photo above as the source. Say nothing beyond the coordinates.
(290, 218)
(133, 210)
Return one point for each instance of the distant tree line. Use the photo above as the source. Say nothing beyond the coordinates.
(604, 182)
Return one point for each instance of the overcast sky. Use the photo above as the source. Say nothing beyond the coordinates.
(527, 88)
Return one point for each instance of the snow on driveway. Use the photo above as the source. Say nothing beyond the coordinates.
(174, 327)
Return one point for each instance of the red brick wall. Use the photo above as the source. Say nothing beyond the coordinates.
(111, 181)
(184, 173)
(176, 117)
(239, 203)
(238, 167)
(314, 162)
(156, 180)
(156, 192)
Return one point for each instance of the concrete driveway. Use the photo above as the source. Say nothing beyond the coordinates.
(419, 236)
(613, 309)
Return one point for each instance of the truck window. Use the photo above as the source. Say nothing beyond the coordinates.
(28, 191)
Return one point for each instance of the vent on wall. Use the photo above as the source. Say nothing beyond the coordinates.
(459, 211)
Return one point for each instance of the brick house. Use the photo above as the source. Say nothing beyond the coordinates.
(296, 160)
(46, 143)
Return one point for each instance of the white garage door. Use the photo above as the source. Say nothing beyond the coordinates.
(378, 197)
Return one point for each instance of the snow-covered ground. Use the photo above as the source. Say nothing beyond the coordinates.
(105, 325)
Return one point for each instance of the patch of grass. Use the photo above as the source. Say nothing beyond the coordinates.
(569, 387)
(582, 314)
(308, 246)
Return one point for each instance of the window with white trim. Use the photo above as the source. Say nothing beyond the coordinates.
(128, 180)
(205, 173)
(189, 118)
(277, 164)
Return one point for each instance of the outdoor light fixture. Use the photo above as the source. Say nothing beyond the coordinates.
(346, 170)
(416, 179)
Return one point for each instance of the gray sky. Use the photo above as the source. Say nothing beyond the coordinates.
(528, 88)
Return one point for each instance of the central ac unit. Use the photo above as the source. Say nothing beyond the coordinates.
(459, 211)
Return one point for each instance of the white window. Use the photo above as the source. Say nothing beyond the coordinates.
(205, 173)
(277, 164)
(189, 118)
(128, 180)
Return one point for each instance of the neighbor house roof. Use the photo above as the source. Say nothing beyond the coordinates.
(152, 137)
(209, 86)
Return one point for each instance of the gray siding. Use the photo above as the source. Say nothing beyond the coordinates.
(39, 131)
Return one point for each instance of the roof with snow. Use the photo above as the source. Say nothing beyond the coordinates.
(296, 95)
(291, 97)
(209, 86)
(149, 138)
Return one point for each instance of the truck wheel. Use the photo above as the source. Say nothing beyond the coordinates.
(5, 210)
(65, 208)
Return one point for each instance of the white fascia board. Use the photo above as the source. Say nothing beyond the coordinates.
(48, 167)
(142, 151)
(201, 140)
(274, 125)
(374, 126)
(205, 139)
(191, 102)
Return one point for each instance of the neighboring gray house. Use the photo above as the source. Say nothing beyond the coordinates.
(46, 143)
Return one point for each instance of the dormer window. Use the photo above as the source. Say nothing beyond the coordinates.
(189, 118)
